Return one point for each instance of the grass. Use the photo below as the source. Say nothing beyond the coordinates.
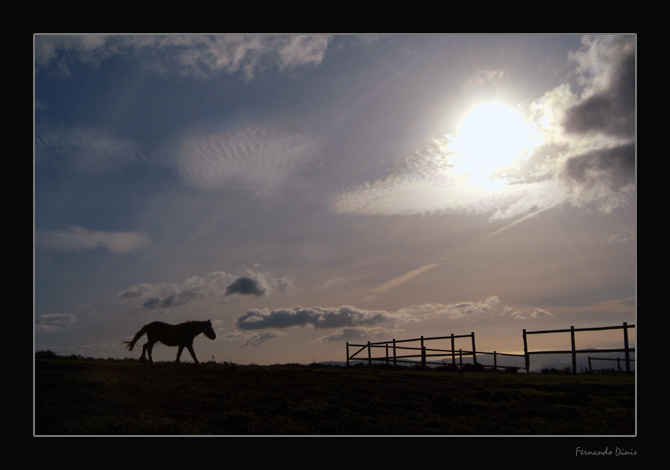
(82, 396)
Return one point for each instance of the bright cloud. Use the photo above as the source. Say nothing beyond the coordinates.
(581, 154)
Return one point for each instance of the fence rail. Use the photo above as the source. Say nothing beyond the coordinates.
(617, 359)
(396, 351)
(573, 351)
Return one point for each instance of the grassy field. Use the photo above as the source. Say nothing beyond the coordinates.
(82, 396)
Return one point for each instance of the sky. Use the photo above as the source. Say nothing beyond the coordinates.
(305, 191)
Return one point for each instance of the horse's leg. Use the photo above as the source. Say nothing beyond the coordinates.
(190, 349)
(144, 352)
(181, 348)
(149, 347)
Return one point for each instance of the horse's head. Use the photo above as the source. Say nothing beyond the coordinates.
(208, 330)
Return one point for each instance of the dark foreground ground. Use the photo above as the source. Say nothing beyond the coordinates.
(79, 396)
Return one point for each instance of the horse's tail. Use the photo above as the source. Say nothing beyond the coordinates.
(138, 335)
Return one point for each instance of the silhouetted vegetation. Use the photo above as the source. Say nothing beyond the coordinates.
(84, 396)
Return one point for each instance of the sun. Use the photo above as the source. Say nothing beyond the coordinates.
(492, 138)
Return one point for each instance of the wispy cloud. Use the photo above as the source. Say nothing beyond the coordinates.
(52, 322)
(359, 334)
(93, 150)
(255, 160)
(399, 280)
(76, 239)
(192, 55)
(450, 311)
(260, 338)
(535, 313)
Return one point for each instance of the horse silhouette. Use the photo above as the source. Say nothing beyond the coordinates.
(180, 335)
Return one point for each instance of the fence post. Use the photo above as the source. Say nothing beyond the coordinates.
(460, 357)
(453, 352)
(574, 355)
(625, 345)
(387, 354)
(347, 353)
(369, 354)
(474, 350)
(394, 357)
(590, 368)
(495, 362)
(525, 352)
(423, 353)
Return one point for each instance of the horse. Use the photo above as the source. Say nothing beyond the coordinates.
(180, 335)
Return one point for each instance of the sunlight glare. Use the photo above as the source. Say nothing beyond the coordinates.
(493, 137)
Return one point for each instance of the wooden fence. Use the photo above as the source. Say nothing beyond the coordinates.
(574, 351)
(617, 359)
(397, 351)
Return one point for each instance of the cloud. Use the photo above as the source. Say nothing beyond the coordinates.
(50, 50)
(536, 313)
(358, 334)
(318, 317)
(92, 150)
(333, 283)
(589, 126)
(405, 194)
(302, 50)
(399, 280)
(605, 176)
(53, 322)
(76, 239)
(606, 70)
(430, 182)
(256, 160)
(351, 318)
(585, 154)
(215, 284)
(246, 286)
(257, 340)
(191, 55)
(451, 311)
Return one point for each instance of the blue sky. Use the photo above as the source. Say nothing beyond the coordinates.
(305, 191)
